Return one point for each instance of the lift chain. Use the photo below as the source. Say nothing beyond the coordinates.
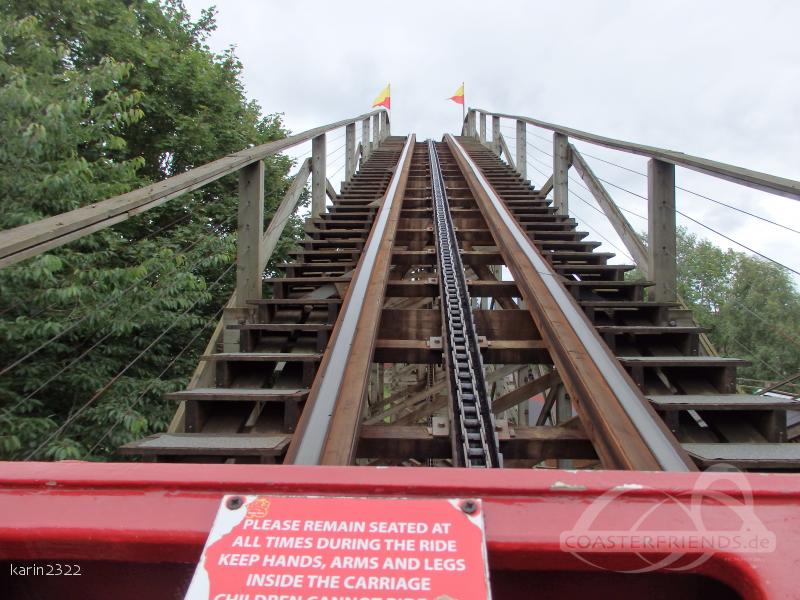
(473, 422)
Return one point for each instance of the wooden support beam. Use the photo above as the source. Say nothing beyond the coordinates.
(427, 409)
(561, 162)
(496, 135)
(251, 221)
(547, 407)
(384, 125)
(485, 273)
(318, 176)
(542, 443)
(403, 400)
(330, 191)
(546, 188)
(287, 206)
(662, 245)
(482, 137)
(349, 151)
(621, 225)
(401, 442)
(525, 391)
(366, 147)
(376, 132)
(522, 149)
(471, 130)
(417, 441)
(505, 150)
(359, 154)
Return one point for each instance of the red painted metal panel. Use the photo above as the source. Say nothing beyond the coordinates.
(159, 514)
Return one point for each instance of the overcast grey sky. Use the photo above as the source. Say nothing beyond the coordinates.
(719, 79)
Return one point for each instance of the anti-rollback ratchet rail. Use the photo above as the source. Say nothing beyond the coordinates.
(475, 440)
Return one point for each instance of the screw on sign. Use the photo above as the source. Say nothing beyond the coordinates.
(315, 548)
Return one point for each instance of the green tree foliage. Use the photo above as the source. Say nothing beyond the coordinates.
(99, 97)
(752, 306)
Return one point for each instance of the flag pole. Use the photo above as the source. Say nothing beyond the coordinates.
(463, 106)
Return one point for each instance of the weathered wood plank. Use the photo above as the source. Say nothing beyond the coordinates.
(236, 394)
(747, 456)
(722, 402)
(208, 444)
(263, 356)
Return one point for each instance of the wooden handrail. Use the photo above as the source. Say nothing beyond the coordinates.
(781, 186)
(34, 238)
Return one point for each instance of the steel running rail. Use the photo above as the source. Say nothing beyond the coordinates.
(474, 441)
(625, 430)
(328, 429)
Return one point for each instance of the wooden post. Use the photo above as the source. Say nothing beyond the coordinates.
(376, 132)
(384, 125)
(318, 175)
(661, 246)
(561, 162)
(483, 127)
(471, 129)
(251, 222)
(366, 149)
(496, 134)
(522, 149)
(349, 151)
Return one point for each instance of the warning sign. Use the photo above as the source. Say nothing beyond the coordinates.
(301, 548)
